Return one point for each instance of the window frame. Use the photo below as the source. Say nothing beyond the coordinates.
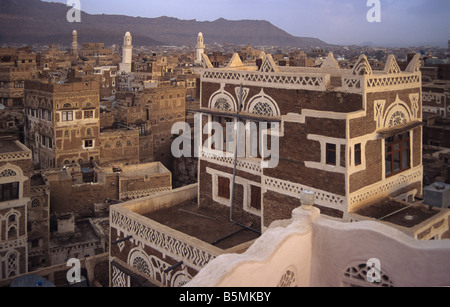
(85, 144)
(329, 152)
(223, 187)
(9, 191)
(358, 154)
(65, 116)
(402, 151)
(88, 114)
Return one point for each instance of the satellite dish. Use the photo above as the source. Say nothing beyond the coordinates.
(31, 281)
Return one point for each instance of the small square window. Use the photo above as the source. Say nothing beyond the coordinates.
(88, 143)
(88, 114)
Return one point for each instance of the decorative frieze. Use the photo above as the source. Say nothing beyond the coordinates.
(142, 193)
(294, 189)
(253, 167)
(306, 81)
(15, 156)
(21, 242)
(193, 256)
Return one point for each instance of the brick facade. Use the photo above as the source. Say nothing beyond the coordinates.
(335, 128)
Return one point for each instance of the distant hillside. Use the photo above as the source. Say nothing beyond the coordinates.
(36, 22)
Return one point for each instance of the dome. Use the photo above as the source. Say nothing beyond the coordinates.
(74, 32)
(128, 34)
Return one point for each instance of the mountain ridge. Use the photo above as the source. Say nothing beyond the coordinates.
(37, 22)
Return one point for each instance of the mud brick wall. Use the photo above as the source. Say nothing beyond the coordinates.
(118, 146)
(206, 190)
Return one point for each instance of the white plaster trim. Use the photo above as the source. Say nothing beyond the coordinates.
(241, 181)
(323, 140)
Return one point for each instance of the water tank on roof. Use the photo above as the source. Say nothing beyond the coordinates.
(437, 195)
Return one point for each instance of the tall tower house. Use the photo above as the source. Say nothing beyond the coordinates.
(199, 49)
(127, 53)
(75, 43)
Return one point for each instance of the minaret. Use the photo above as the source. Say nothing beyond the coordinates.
(127, 53)
(75, 43)
(199, 49)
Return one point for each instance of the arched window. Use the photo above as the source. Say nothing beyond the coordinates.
(12, 268)
(12, 233)
(8, 173)
(222, 101)
(222, 104)
(263, 105)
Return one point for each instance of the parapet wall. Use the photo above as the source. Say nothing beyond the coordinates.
(315, 251)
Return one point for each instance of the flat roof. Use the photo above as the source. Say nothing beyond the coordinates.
(10, 146)
(210, 225)
(398, 213)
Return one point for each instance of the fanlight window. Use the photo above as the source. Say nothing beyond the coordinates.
(263, 108)
(8, 173)
(222, 104)
(357, 276)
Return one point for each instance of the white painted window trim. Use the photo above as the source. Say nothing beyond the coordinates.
(88, 148)
(244, 182)
(322, 165)
(351, 167)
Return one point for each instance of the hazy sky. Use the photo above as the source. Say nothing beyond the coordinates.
(403, 22)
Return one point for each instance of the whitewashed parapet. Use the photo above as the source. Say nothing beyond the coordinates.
(385, 187)
(168, 241)
(307, 81)
(391, 81)
(281, 257)
(318, 251)
(218, 157)
(143, 193)
(323, 198)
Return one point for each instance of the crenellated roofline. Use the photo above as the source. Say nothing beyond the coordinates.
(328, 76)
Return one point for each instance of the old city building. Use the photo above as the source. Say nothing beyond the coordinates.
(38, 222)
(15, 172)
(153, 112)
(62, 123)
(351, 138)
(95, 55)
(16, 66)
